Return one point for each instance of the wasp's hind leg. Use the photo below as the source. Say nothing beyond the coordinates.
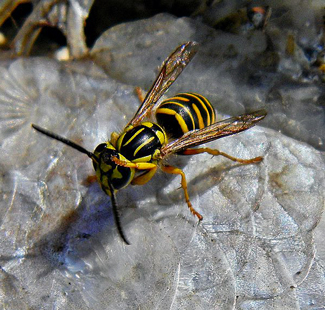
(174, 170)
(217, 153)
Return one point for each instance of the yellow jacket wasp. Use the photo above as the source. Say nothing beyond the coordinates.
(187, 119)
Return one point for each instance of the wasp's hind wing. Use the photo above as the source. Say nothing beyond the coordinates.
(171, 69)
(215, 131)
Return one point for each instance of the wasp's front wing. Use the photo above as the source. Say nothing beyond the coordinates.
(171, 69)
(215, 131)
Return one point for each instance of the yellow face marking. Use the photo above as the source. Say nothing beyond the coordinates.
(116, 174)
(98, 175)
(104, 181)
(104, 167)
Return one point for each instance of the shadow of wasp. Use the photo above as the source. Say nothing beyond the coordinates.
(186, 120)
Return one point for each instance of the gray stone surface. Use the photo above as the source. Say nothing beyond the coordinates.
(259, 245)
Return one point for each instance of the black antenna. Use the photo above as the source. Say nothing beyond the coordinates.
(64, 140)
(93, 157)
(116, 214)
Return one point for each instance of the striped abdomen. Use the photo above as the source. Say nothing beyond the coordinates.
(183, 113)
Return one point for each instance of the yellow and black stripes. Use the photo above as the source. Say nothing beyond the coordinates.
(185, 112)
(134, 156)
(115, 167)
(142, 143)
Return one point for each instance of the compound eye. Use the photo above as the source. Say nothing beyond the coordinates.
(106, 156)
(100, 148)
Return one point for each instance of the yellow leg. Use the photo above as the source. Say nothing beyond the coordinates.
(145, 177)
(217, 153)
(174, 170)
(129, 164)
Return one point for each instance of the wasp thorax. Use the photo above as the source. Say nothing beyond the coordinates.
(141, 143)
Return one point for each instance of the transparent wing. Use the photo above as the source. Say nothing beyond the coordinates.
(171, 69)
(215, 131)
